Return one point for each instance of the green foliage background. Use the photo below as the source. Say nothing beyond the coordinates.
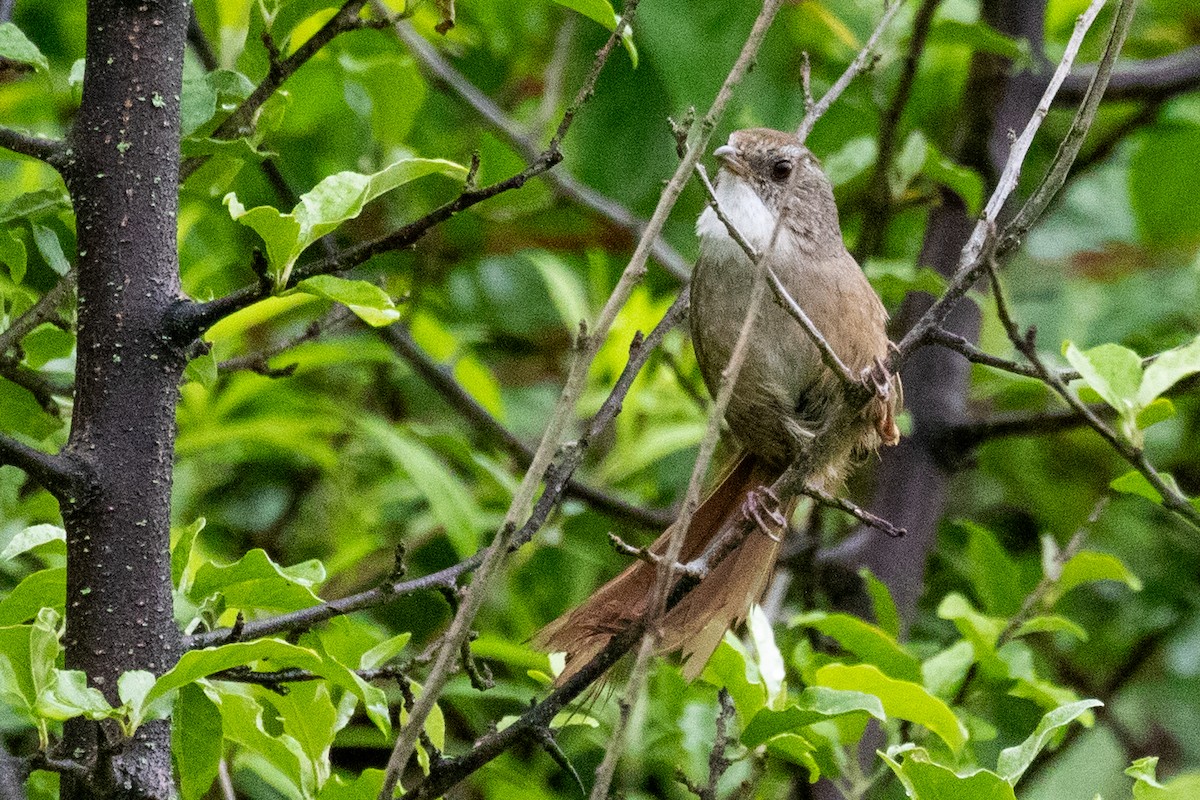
(328, 469)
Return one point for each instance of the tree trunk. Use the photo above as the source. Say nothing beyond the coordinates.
(123, 178)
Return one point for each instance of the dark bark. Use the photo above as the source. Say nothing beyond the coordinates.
(123, 178)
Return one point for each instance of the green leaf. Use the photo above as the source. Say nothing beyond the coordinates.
(981, 37)
(15, 46)
(309, 717)
(923, 779)
(886, 615)
(816, 703)
(203, 91)
(770, 660)
(908, 162)
(370, 303)
(256, 582)
(902, 699)
(202, 370)
(943, 672)
(853, 159)
(565, 289)
(271, 654)
(51, 248)
(869, 642)
(197, 742)
(1089, 567)
(183, 541)
(68, 695)
(994, 575)
(367, 784)
(384, 652)
(45, 343)
(1147, 787)
(1113, 371)
(729, 668)
(1014, 761)
(331, 202)
(1167, 370)
(449, 500)
(133, 687)
(287, 768)
(601, 12)
(1134, 482)
(798, 750)
(46, 588)
(1159, 410)
(979, 629)
(33, 537)
(1051, 623)
(14, 255)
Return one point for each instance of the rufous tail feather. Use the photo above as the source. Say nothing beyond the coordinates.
(697, 623)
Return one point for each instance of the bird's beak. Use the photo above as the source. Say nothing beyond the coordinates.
(727, 155)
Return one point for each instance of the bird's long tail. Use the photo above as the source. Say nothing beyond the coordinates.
(694, 626)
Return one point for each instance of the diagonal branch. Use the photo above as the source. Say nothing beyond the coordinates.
(63, 477)
(442, 72)
(44, 310)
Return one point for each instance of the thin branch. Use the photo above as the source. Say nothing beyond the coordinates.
(63, 477)
(718, 760)
(1172, 498)
(51, 151)
(878, 208)
(440, 71)
(586, 348)
(258, 362)
(859, 513)
(441, 380)
(974, 257)
(241, 120)
(865, 59)
(1060, 167)
(44, 310)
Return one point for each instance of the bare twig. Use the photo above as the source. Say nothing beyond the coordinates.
(859, 513)
(586, 348)
(63, 477)
(1060, 167)
(440, 71)
(1148, 79)
(974, 257)
(259, 362)
(865, 59)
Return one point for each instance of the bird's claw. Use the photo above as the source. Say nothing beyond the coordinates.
(878, 378)
(762, 504)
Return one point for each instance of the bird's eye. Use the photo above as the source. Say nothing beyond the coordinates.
(781, 170)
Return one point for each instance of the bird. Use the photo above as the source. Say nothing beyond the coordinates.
(783, 395)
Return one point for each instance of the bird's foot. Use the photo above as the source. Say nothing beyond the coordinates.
(762, 506)
(878, 378)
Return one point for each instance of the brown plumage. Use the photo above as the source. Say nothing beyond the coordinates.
(783, 395)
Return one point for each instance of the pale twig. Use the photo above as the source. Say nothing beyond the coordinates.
(440, 71)
(664, 579)
(1060, 167)
(862, 61)
(973, 259)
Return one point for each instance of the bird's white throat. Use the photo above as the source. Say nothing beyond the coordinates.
(745, 209)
